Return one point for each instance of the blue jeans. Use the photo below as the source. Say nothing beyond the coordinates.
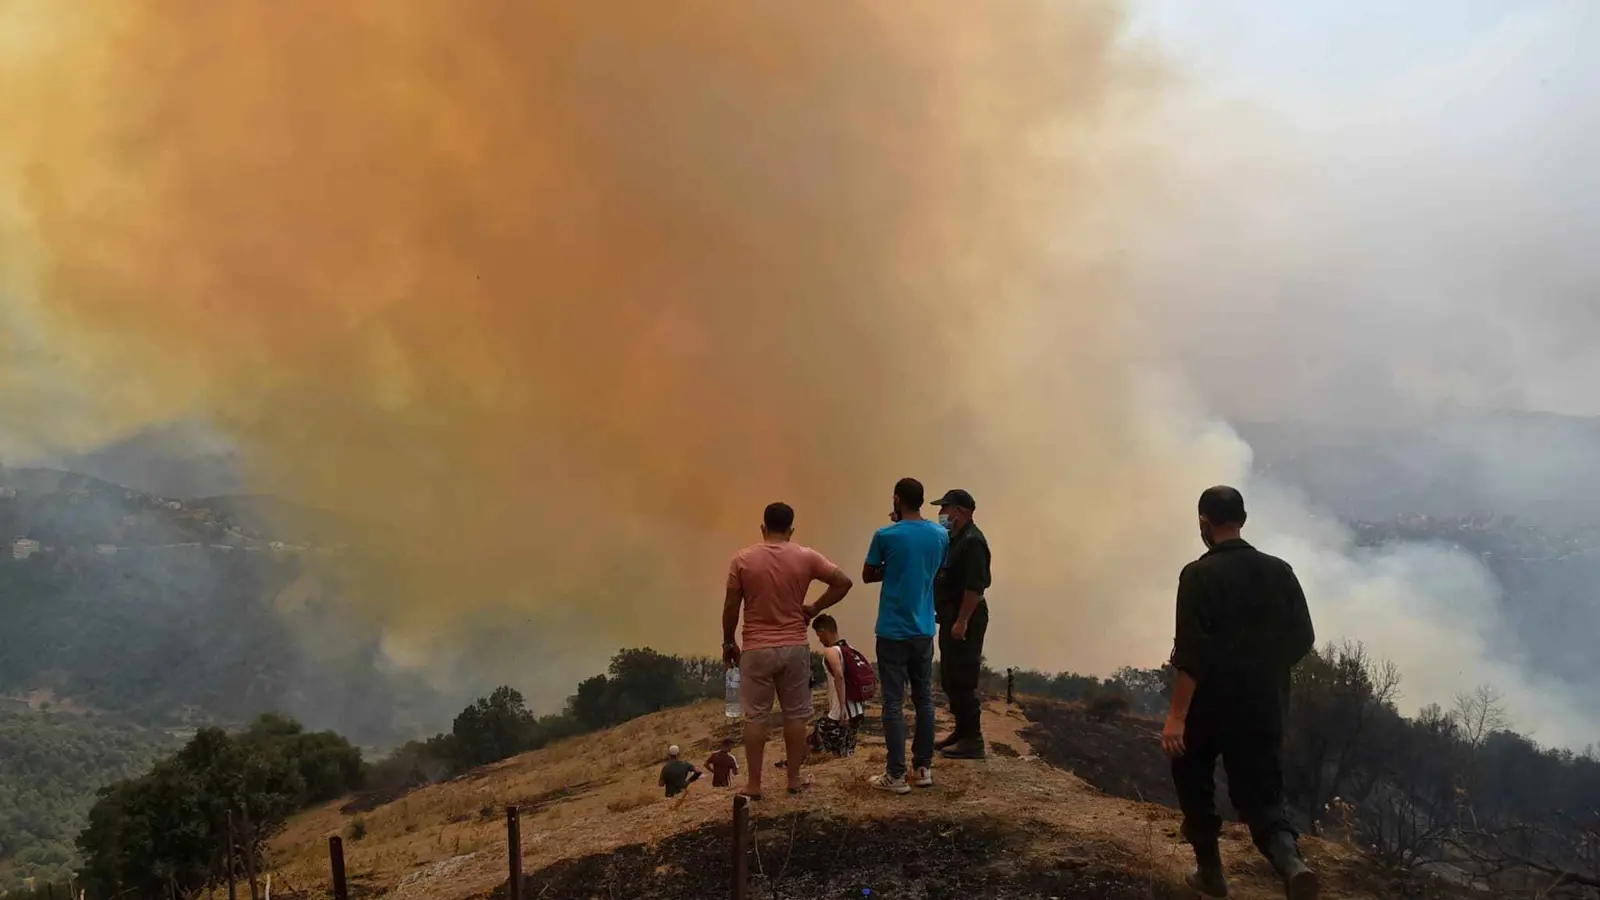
(899, 662)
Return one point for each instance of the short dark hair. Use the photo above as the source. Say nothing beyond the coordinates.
(823, 623)
(909, 491)
(778, 517)
(1223, 505)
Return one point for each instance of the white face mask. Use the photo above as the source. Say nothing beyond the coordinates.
(945, 520)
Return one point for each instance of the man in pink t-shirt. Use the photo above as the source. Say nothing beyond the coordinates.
(769, 580)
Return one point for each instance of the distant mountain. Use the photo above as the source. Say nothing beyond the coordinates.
(177, 460)
(1540, 467)
(265, 514)
(67, 509)
(128, 618)
(1519, 491)
(172, 612)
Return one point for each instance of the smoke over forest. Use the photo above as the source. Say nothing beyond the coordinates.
(550, 299)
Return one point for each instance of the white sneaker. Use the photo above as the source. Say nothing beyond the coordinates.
(923, 778)
(885, 782)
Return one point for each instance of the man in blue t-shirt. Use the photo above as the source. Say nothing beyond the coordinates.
(905, 556)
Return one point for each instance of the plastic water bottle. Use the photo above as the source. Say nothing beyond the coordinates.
(732, 707)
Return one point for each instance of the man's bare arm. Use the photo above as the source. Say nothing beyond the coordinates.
(730, 623)
(838, 584)
(1191, 657)
(871, 574)
(1182, 695)
(1174, 734)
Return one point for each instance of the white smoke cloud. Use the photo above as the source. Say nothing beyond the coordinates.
(1368, 225)
(1431, 609)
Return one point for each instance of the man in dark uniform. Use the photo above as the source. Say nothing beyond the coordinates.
(963, 616)
(1242, 625)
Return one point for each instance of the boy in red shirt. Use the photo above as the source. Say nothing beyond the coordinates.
(722, 765)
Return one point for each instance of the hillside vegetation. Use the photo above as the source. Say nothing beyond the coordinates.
(51, 764)
(165, 830)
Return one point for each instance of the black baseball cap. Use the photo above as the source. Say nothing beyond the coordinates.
(957, 497)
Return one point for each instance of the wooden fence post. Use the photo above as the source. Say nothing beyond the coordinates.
(514, 851)
(249, 850)
(741, 844)
(341, 890)
(233, 886)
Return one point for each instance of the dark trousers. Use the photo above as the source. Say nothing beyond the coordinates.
(903, 663)
(1238, 717)
(960, 664)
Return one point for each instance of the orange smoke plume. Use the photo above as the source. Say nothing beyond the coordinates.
(556, 296)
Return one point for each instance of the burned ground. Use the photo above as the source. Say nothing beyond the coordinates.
(815, 855)
(1121, 756)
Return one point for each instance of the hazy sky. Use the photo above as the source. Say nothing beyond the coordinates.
(582, 287)
(1401, 203)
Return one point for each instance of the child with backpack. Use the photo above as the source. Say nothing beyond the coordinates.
(851, 683)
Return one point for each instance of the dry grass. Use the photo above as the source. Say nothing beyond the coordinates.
(437, 842)
(632, 801)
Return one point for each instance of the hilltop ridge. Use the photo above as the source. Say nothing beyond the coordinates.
(594, 824)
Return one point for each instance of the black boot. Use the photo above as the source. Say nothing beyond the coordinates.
(1208, 879)
(966, 748)
(963, 729)
(1208, 882)
(1299, 882)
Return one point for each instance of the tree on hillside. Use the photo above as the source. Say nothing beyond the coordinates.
(164, 832)
(591, 704)
(1149, 690)
(1479, 714)
(494, 728)
(1336, 695)
(646, 681)
(1414, 800)
(642, 681)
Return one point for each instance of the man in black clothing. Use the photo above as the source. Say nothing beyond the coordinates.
(963, 616)
(1242, 625)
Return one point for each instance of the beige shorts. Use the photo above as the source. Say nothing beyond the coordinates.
(784, 672)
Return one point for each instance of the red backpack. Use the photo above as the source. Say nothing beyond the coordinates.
(860, 681)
